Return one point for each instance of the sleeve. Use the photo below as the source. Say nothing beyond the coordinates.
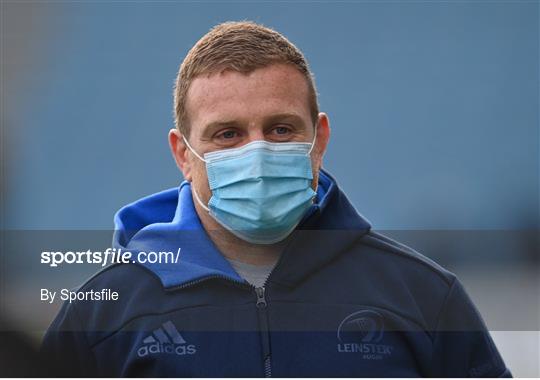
(65, 346)
(462, 344)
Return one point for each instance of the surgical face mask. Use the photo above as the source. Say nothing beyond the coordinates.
(260, 191)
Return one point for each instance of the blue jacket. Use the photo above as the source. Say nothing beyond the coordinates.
(342, 301)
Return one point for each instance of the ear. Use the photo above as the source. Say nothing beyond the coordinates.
(323, 136)
(179, 152)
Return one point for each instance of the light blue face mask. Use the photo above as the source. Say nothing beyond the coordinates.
(260, 191)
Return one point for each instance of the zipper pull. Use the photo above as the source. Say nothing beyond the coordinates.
(261, 301)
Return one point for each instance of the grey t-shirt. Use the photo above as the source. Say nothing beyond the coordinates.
(254, 274)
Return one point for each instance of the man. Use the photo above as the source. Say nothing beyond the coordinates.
(278, 274)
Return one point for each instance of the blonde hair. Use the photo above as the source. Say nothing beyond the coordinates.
(240, 46)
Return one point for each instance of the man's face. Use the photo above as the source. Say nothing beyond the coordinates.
(231, 109)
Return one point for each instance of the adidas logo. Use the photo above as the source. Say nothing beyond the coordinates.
(166, 340)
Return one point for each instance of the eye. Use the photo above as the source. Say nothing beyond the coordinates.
(227, 135)
(281, 133)
(281, 130)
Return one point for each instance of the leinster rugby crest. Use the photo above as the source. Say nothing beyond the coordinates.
(362, 333)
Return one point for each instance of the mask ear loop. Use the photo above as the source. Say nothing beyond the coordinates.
(192, 189)
(192, 150)
(313, 142)
(308, 153)
(199, 200)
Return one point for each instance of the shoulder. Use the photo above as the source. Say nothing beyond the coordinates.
(391, 252)
(406, 281)
(109, 300)
(131, 276)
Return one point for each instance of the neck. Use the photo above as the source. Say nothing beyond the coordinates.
(235, 248)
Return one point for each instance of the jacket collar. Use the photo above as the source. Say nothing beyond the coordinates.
(333, 226)
(167, 221)
(198, 258)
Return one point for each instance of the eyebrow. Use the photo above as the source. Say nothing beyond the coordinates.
(285, 116)
(215, 125)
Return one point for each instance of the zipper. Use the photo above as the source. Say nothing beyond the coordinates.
(261, 300)
(262, 315)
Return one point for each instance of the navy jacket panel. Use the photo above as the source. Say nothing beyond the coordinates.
(342, 301)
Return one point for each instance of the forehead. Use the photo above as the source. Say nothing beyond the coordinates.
(232, 95)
